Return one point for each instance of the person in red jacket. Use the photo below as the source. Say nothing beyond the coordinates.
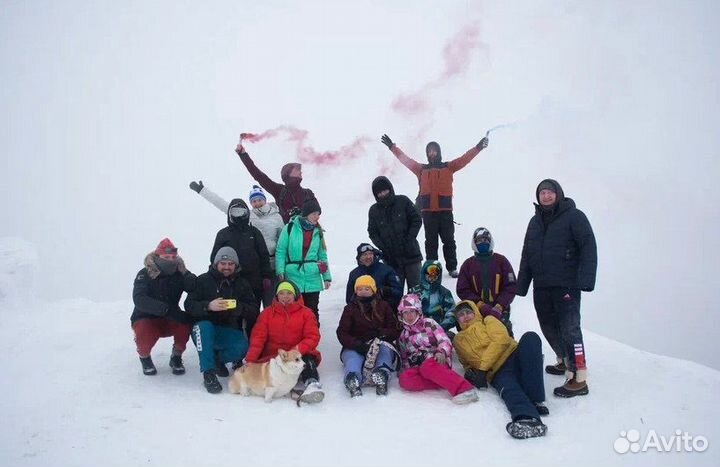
(487, 279)
(435, 198)
(288, 324)
(289, 195)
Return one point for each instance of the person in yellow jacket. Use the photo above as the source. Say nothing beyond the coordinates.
(515, 369)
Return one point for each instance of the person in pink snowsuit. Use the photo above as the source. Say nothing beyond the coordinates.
(426, 354)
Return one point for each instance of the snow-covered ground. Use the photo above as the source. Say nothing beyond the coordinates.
(73, 394)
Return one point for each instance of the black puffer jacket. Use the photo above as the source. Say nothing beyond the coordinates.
(212, 285)
(249, 244)
(393, 225)
(559, 248)
(159, 297)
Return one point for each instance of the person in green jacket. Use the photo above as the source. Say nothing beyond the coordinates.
(301, 255)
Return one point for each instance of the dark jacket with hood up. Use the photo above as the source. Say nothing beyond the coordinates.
(386, 279)
(559, 248)
(157, 295)
(393, 225)
(249, 244)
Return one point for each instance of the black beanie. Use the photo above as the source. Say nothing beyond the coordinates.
(309, 207)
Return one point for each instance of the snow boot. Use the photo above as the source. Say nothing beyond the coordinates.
(466, 397)
(148, 366)
(380, 379)
(211, 382)
(236, 364)
(541, 408)
(526, 428)
(454, 273)
(313, 392)
(557, 369)
(220, 368)
(572, 388)
(176, 365)
(352, 383)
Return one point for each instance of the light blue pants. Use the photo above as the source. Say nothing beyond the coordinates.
(230, 344)
(353, 361)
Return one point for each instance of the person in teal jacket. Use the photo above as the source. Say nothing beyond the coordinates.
(437, 301)
(301, 255)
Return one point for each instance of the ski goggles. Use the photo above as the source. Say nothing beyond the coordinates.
(169, 251)
(433, 271)
(237, 211)
(365, 248)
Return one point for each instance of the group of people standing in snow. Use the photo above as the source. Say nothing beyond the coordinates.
(274, 255)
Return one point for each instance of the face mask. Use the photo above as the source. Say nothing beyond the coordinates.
(483, 248)
(166, 266)
(366, 299)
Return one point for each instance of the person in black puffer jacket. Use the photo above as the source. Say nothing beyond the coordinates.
(393, 225)
(156, 295)
(221, 331)
(560, 255)
(249, 244)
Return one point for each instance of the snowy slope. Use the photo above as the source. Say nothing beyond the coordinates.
(73, 394)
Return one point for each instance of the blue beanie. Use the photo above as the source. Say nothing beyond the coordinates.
(257, 192)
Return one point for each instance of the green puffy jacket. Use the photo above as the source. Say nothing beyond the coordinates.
(304, 272)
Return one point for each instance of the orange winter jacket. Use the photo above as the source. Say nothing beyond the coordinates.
(436, 181)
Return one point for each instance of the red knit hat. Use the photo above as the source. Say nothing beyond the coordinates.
(165, 247)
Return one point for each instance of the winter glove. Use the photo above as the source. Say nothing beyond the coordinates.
(266, 285)
(487, 310)
(387, 141)
(322, 267)
(362, 348)
(416, 359)
(280, 277)
(240, 150)
(197, 186)
(482, 144)
(440, 358)
(478, 378)
(386, 291)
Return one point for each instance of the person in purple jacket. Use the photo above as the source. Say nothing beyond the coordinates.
(488, 279)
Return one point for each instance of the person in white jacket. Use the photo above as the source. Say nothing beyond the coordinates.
(264, 216)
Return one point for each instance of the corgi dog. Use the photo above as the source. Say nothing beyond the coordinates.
(272, 379)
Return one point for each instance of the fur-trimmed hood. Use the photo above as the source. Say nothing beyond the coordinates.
(153, 269)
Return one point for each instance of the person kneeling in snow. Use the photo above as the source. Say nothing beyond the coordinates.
(156, 295)
(426, 355)
(368, 327)
(288, 324)
(490, 355)
(220, 330)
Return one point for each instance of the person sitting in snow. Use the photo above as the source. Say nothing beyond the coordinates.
(301, 255)
(289, 195)
(367, 330)
(221, 328)
(386, 279)
(288, 324)
(249, 244)
(490, 356)
(437, 301)
(156, 295)
(488, 279)
(426, 355)
(435, 197)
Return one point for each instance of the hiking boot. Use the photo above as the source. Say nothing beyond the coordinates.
(352, 383)
(466, 397)
(380, 379)
(526, 428)
(313, 392)
(220, 368)
(148, 366)
(176, 365)
(236, 364)
(454, 273)
(557, 369)
(542, 409)
(572, 388)
(211, 382)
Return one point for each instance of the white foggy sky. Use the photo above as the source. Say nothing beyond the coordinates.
(110, 110)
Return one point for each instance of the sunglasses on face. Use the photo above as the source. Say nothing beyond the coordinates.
(170, 251)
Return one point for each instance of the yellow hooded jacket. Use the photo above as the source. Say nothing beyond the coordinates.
(483, 343)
